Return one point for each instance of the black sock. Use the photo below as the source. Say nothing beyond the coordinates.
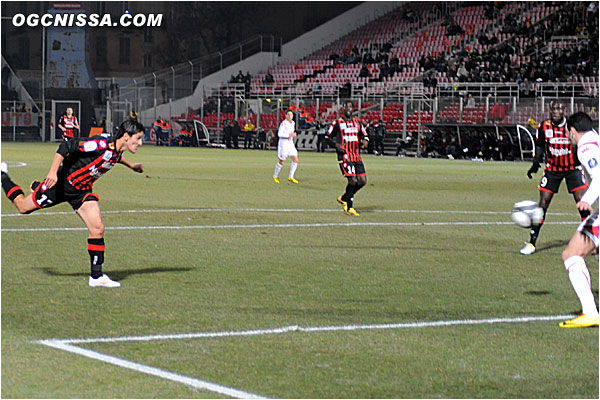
(584, 214)
(535, 230)
(96, 251)
(348, 197)
(11, 189)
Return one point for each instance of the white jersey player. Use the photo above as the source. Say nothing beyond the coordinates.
(286, 148)
(585, 240)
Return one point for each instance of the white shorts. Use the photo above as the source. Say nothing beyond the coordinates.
(589, 227)
(286, 149)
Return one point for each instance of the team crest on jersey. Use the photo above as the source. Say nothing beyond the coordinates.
(593, 163)
(90, 146)
(107, 155)
(102, 144)
(549, 133)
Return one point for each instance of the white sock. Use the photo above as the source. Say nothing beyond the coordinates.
(580, 280)
(277, 170)
(293, 169)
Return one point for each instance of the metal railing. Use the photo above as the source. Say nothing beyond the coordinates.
(180, 80)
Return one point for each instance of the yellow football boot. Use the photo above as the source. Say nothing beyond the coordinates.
(583, 321)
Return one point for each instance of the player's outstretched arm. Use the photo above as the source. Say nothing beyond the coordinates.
(137, 167)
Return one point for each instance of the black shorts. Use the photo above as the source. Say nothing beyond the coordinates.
(353, 168)
(575, 180)
(44, 197)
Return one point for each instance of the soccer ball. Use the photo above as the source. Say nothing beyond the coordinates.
(527, 213)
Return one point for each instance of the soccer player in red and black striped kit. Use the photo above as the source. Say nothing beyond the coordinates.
(68, 123)
(83, 162)
(562, 164)
(348, 134)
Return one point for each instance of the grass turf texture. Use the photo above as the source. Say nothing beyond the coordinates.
(218, 279)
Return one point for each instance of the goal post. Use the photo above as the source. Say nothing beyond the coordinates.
(59, 108)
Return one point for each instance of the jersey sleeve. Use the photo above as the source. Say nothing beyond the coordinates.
(362, 132)
(589, 156)
(88, 145)
(540, 143)
(334, 132)
(67, 147)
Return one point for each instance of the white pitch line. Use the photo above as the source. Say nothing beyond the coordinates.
(146, 369)
(297, 328)
(273, 210)
(265, 226)
(67, 345)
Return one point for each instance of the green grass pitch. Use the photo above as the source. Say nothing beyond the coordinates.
(205, 241)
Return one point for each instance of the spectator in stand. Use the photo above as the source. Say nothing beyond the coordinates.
(248, 134)
(470, 101)
(239, 78)
(268, 78)
(364, 72)
(384, 71)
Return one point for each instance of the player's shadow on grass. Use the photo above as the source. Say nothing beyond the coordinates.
(552, 245)
(118, 275)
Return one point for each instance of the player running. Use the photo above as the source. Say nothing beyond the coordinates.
(562, 164)
(348, 133)
(83, 162)
(286, 148)
(585, 239)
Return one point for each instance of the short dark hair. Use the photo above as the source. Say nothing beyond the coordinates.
(129, 126)
(289, 110)
(348, 101)
(581, 122)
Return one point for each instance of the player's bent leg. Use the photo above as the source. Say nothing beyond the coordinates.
(579, 247)
(90, 214)
(25, 205)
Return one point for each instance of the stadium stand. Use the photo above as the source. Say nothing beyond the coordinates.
(414, 67)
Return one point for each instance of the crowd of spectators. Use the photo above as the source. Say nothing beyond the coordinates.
(502, 63)
(244, 79)
(376, 53)
(579, 58)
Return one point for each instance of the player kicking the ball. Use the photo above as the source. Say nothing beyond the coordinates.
(348, 133)
(585, 240)
(83, 162)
